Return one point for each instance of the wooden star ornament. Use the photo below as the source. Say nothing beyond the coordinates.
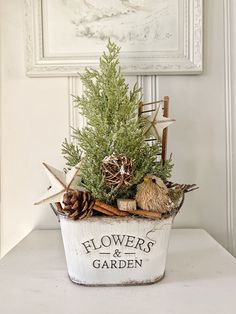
(61, 182)
(157, 123)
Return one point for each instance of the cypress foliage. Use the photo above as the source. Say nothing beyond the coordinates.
(111, 109)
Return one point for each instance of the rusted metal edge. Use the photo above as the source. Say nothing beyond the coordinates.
(123, 284)
(118, 219)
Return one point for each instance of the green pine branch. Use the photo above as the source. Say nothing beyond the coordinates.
(71, 153)
(111, 109)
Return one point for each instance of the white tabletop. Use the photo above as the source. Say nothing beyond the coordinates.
(200, 278)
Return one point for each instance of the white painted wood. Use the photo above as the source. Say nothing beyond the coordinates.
(185, 58)
(232, 81)
(228, 124)
(200, 278)
(120, 251)
(1, 230)
(230, 118)
(76, 120)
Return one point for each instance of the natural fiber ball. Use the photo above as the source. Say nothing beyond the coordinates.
(117, 170)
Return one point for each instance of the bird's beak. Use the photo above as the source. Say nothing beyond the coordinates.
(146, 179)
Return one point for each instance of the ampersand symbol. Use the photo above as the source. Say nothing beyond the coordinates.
(117, 253)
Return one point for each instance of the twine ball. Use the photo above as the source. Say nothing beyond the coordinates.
(117, 170)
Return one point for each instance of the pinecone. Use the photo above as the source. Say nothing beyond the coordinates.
(117, 170)
(78, 204)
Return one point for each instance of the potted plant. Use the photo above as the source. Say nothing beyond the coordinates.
(115, 203)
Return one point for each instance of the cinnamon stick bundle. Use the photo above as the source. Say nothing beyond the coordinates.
(115, 211)
(102, 210)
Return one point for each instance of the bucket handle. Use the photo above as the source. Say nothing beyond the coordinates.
(55, 212)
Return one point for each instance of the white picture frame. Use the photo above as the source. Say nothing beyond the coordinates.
(168, 42)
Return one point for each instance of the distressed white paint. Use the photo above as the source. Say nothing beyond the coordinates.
(52, 25)
(95, 258)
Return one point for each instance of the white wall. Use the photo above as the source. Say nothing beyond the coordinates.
(34, 123)
(232, 84)
(198, 137)
(35, 119)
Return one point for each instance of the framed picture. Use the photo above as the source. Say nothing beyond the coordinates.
(156, 36)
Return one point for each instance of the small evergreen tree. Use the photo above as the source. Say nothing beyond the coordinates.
(113, 126)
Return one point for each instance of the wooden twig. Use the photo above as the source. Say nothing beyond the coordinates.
(145, 213)
(175, 211)
(142, 104)
(165, 102)
(150, 140)
(165, 131)
(152, 102)
(55, 212)
(145, 111)
(186, 188)
(59, 207)
(191, 188)
(140, 108)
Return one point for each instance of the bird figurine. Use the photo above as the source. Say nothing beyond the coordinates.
(153, 195)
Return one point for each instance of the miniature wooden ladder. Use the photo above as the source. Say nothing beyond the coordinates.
(165, 131)
(165, 108)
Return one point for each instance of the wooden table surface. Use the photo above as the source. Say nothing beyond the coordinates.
(200, 278)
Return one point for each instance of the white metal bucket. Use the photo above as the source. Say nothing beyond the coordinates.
(115, 251)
